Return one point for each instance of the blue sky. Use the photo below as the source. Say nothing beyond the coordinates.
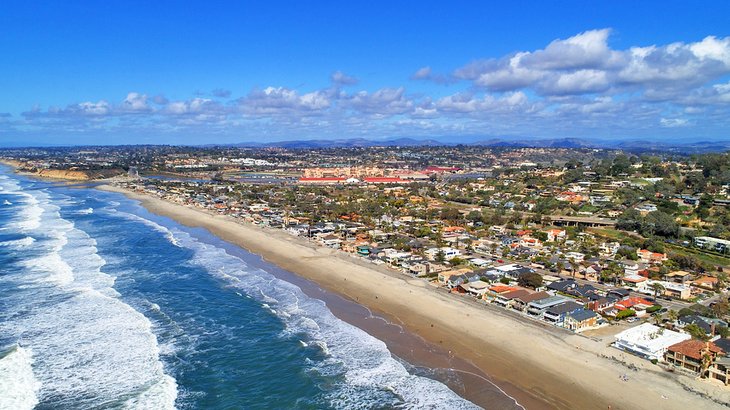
(219, 72)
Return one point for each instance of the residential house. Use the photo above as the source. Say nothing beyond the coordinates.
(449, 253)
(556, 314)
(647, 256)
(638, 305)
(705, 283)
(522, 301)
(689, 354)
(671, 289)
(555, 235)
(507, 299)
(679, 276)
(720, 370)
(476, 288)
(538, 308)
(581, 319)
(495, 290)
(453, 278)
(648, 341)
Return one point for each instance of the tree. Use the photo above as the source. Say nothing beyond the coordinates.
(672, 315)
(530, 280)
(660, 223)
(621, 165)
(695, 331)
(658, 288)
(625, 313)
(440, 256)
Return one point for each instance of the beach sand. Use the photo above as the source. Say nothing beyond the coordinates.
(541, 366)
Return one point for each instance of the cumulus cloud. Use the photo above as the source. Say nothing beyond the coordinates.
(340, 78)
(135, 102)
(281, 100)
(384, 102)
(585, 64)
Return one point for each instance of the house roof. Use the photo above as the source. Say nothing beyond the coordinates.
(724, 344)
(694, 348)
(582, 314)
(534, 296)
(562, 285)
(502, 288)
(515, 294)
(547, 302)
(650, 337)
(563, 308)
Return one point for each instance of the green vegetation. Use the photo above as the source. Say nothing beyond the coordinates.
(625, 313)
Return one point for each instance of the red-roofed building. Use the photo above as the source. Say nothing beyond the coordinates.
(688, 354)
(648, 256)
(635, 303)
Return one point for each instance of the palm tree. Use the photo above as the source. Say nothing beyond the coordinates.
(672, 315)
(706, 359)
(658, 288)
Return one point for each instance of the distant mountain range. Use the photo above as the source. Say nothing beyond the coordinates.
(626, 145)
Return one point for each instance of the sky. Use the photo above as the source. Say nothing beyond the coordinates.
(102, 72)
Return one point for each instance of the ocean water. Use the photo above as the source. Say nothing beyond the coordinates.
(104, 305)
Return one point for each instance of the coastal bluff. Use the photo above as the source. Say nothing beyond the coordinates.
(64, 174)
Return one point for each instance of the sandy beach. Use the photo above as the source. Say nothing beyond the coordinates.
(541, 366)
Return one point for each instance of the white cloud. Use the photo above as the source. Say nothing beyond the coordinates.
(585, 64)
(673, 122)
(135, 102)
(340, 78)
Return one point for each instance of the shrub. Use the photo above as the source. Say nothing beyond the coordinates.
(654, 308)
(625, 313)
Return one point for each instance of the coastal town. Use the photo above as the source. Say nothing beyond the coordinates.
(633, 249)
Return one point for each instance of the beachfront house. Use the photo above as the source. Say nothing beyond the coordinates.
(521, 302)
(556, 314)
(537, 308)
(506, 300)
(648, 341)
(476, 288)
(720, 370)
(689, 354)
(581, 319)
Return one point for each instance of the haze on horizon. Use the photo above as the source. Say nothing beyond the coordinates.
(165, 72)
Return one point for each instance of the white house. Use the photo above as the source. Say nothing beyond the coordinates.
(648, 341)
(449, 253)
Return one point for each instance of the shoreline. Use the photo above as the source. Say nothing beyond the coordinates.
(547, 367)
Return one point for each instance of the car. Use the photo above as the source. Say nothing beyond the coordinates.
(632, 319)
(663, 310)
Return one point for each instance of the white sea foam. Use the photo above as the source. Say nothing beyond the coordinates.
(18, 386)
(90, 348)
(159, 228)
(370, 376)
(6, 202)
(18, 243)
(86, 211)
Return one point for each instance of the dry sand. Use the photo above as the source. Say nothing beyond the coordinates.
(557, 369)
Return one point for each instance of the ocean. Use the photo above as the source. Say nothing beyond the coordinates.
(104, 305)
